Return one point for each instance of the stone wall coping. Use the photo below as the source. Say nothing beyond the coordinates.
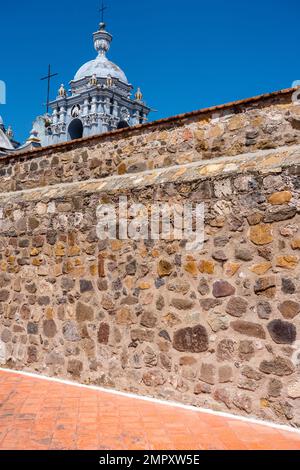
(179, 120)
(260, 162)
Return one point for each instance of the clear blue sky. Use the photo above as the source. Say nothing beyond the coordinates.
(184, 54)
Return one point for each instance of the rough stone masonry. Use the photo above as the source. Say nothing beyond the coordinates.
(217, 328)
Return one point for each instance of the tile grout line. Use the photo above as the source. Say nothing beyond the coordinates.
(281, 427)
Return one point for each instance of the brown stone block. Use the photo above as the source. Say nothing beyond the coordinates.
(125, 316)
(164, 268)
(222, 289)
(182, 304)
(289, 309)
(282, 332)
(84, 312)
(103, 333)
(280, 366)
(248, 328)
(101, 266)
(208, 373)
(193, 340)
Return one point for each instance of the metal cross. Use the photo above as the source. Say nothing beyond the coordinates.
(48, 77)
(102, 10)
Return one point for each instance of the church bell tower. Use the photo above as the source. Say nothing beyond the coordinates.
(100, 99)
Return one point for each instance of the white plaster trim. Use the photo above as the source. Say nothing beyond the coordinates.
(281, 427)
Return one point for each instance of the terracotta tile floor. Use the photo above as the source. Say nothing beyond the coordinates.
(41, 414)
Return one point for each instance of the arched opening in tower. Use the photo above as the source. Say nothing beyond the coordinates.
(123, 125)
(75, 130)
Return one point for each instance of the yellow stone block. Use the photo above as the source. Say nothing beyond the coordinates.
(264, 403)
(191, 268)
(261, 234)
(295, 244)
(281, 197)
(125, 316)
(144, 285)
(155, 253)
(93, 270)
(171, 319)
(199, 134)
(231, 268)
(143, 252)
(261, 268)
(180, 172)
(37, 261)
(214, 131)
(122, 169)
(211, 168)
(3, 266)
(78, 272)
(49, 313)
(206, 267)
(116, 245)
(128, 282)
(273, 160)
(164, 135)
(60, 250)
(218, 222)
(58, 270)
(73, 250)
(257, 121)
(235, 123)
(287, 261)
(34, 252)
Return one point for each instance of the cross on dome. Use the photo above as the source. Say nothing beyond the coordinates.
(102, 10)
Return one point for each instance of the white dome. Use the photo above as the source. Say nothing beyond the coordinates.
(102, 68)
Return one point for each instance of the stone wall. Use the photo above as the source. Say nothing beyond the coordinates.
(265, 122)
(217, 328)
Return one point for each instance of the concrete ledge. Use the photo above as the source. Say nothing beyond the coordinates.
(263, 161)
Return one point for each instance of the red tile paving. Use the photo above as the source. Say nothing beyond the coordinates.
(41, 414)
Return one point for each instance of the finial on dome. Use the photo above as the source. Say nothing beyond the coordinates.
(93, 80)
(109, 81)
(10, 133)
(102, 38)
(62, 91)
(33, 138)
(139, 95)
